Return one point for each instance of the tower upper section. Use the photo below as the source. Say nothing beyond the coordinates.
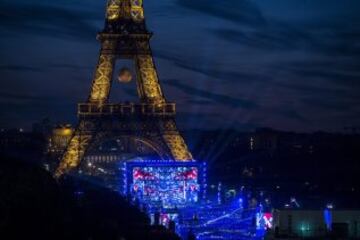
(124, 16)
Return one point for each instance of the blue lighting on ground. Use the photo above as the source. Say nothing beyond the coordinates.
(225, 221)
(328, 218)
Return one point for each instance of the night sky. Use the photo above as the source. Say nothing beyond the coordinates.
(285, 64)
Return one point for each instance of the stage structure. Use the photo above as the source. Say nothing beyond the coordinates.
(147, 126)
(164, 184)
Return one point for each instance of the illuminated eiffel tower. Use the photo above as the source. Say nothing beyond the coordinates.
(149, 124)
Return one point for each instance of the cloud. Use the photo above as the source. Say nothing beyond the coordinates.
(267, 38)
(321, 38)
(18, 67)
(330, 104)
(290, 113)
(237, 11)
(5, 95)
(342, 79)
(212, 69)
(328, 77)
(202, 102)
(216, 97)
(24, 113)
(50, 20)
(274, 64)
(70, 66)
(28, 99)
(29, 68)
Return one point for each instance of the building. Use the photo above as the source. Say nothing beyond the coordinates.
(59, 138)
(296, 224)
(57, 141)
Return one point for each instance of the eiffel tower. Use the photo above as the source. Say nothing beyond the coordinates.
(151, 121)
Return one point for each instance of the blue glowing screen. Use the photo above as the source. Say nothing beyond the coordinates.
(167, 185)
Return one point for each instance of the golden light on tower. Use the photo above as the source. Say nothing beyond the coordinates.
(113, 10)
(147, 120)
(125, 75)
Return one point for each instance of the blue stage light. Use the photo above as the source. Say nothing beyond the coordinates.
(164, 184)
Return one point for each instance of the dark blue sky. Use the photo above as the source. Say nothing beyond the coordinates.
(291, 65)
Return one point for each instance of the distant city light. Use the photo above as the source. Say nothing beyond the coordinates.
(294, 201)
(305, 227)
(252, 143)
(329, 206)
(46, 167)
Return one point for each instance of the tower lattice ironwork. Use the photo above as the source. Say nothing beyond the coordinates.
(151, 122)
